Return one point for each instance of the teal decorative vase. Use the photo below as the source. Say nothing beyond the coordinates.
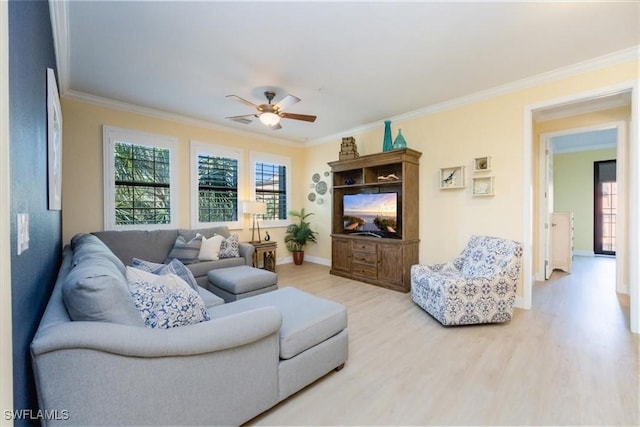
(399, 142)
(387, 143)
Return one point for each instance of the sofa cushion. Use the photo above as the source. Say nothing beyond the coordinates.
(200, 269)
(84, 245)
(230, 247)
(165, 301)
(96, 290)
(151, 245)
(185, 251)
(188, 234)
(174, 267)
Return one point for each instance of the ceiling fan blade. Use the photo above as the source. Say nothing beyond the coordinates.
(244, 101)
(303, 117)
(241, 119)
(286, 102)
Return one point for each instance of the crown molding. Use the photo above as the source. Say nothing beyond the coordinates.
(164, 115)
(600, 62)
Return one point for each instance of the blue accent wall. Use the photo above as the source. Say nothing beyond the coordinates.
(33, 273)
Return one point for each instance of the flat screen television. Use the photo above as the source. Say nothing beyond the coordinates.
(371, 213)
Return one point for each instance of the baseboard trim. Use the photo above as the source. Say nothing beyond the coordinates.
(584, 253)
(311, 259)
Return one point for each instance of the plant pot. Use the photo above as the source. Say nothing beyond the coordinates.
(298, 257)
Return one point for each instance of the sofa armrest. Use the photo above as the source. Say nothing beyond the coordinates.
(246, 251)
(205, 337)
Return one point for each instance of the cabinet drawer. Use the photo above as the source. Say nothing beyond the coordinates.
(364, 270)
(367, 258)
(364, 246)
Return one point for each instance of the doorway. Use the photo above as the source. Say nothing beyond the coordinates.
(627, 272)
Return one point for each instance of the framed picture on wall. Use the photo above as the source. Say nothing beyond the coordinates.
(452, 177)
(54, 142)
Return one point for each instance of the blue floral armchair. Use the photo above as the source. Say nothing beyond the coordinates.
(479, 286)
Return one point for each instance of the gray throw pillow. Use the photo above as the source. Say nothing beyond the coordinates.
(185, 252)
(95, 290)
(230, 248)
(174, 266)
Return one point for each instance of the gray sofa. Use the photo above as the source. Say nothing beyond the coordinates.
(107, 368)
(155, 245)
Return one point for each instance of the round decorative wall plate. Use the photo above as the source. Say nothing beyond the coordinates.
(315, 177)
(311, 197)
(321, 187)
(320, 200)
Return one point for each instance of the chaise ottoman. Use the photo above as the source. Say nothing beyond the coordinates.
(313, 335)
(234, 283)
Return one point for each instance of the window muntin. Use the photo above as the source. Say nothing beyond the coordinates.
(216, 179)
(139, 180)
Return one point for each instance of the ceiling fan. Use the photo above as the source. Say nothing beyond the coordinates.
(270, 114)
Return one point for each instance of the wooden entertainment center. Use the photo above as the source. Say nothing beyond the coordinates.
(383, 258)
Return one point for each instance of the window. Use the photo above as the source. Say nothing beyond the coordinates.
(139, 180)
(605, 205)
(271, 176)
(215, 173)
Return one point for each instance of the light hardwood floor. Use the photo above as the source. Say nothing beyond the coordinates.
(571, 360)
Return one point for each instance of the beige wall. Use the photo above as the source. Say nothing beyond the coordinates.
(491, 127)
(573, 191)
(82, 157)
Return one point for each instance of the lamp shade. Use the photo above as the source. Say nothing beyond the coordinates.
(254, 208)
(269, 119)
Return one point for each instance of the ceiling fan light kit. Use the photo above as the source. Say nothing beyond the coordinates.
(269, 119)
(270, 114)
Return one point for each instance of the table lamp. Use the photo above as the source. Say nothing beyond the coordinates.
(254, 208)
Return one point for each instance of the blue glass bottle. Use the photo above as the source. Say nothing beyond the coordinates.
(387, 143)
(399, 142)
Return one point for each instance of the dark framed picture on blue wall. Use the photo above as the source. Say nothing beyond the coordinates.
(54, 142)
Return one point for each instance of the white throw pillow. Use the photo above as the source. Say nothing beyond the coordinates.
(210, 248)
(165, 301)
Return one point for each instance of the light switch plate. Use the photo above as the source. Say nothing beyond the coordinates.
(23, 232)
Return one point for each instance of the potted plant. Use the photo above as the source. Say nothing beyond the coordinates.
(298, 235)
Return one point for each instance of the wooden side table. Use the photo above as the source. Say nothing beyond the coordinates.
(265, 255)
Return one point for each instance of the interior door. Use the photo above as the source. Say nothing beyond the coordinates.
(548, 212)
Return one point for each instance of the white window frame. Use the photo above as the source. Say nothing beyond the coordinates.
(111, 135)
(258, 157)
(198, 148)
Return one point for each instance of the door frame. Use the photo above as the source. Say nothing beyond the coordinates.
(6, 350)
(622, 143)
(631, 149)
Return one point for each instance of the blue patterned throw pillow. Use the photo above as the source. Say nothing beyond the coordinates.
(186, 252)
(174, 266)
(230, 248)
(165, 301)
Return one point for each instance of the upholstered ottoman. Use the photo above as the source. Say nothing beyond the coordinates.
(313, 336)
(234, 283)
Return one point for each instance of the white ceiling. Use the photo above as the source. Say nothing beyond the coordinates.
(352, 64)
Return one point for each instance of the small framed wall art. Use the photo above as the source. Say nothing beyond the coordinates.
(452, 177)
(483, 186)
(54, 143)
(482, 164)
